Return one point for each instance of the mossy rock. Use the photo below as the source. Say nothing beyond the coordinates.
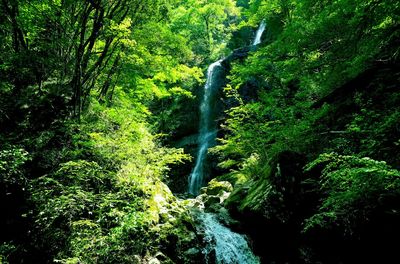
(237, 196)
(193, 255)
(215, 187)
(211, 199)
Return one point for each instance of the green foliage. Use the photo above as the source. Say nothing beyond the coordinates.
(92, 89)
(5, 250)
(85, 86)
(323, 80)
(312, 49)
(249, 130)
(376, 127)
(174, 100)
(355, 190)
(317, 47)
(102, 204)
(87, 213)
(206, 25)
(11, 170)
(89, 88)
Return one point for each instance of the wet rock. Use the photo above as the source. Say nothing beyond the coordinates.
(161, 257)
(192, 251)
(274, 206)
(193, 255)
(215, 187)
(225, 218)
(211, 256)
(211, 199)
(165, 217)
(213, 196)
(194, 203)
(137, 259)
(238, 54)
(154, 261)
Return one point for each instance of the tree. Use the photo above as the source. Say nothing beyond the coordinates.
(206, 24)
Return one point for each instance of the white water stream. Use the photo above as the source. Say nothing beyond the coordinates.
(259, 33)
(229, 247)
(208, 132)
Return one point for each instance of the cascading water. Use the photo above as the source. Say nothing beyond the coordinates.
(259, 33)
(207, 131)
(230, 247)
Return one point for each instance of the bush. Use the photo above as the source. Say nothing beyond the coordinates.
(11, 162)
(355, 190)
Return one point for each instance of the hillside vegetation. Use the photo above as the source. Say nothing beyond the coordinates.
(99, 113)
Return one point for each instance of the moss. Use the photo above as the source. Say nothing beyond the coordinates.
(216, 187)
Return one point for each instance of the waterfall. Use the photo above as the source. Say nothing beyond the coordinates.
(207, 127)
(230, 247)
(207, 131)
(259, 33)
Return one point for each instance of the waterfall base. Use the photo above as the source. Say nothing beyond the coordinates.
(226, 246)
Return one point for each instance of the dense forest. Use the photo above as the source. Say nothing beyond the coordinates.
(199, 131)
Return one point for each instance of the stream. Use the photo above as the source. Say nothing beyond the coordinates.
(208, 130)
(207, 126)
(229, 247)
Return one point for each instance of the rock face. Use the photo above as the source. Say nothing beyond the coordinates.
(212, 199)
(273, 208)
(249, 89)
(214, 194)
(209, 202)
(237, 54)
(248, 92)
(217, 188)
(173, 229)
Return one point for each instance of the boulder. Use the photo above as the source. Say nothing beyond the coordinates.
(137, 259)
(211, 199)
(213, 195)
(215, 187)
(193, 255)
(273, 205)
(161, 257)
(154, 261)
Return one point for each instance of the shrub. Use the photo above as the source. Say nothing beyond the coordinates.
(355, 191)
